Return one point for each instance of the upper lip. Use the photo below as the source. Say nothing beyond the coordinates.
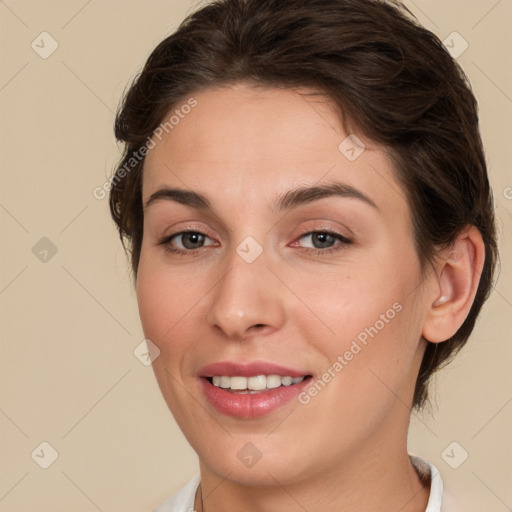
(249, 369)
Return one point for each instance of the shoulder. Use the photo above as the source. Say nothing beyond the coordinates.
(183, 500)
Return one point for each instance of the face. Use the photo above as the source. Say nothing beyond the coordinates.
(288, 265)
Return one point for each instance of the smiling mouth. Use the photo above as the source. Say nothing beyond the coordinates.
(255, 384)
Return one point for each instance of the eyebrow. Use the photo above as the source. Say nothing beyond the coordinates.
(291, 199)
(303, 195)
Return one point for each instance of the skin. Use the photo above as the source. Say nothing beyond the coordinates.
(346, 449)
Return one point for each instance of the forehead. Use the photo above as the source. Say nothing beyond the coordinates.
(247, 120)
(242, 141)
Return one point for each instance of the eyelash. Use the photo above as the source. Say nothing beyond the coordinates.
(344, 241)
(165, 242)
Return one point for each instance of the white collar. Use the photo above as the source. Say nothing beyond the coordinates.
(436, 482)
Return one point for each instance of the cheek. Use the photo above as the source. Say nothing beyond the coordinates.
(348, 301)
(166, 306)
(369, 315)
(165, 299)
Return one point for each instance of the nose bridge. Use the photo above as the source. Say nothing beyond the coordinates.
(247, 297)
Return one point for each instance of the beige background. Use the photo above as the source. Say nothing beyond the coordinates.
(69, 324)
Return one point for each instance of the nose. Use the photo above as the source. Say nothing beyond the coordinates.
(248, 300)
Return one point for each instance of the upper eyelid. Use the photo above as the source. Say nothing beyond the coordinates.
(299, 217)
(304, 233)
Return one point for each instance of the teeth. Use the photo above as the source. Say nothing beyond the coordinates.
(273, 381)
(286, 381)
(256, 383)
(238, 383)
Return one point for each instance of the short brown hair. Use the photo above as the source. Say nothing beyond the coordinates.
(389, 76)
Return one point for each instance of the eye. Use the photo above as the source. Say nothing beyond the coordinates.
(185, 241)
(323, 240)
(189, 240)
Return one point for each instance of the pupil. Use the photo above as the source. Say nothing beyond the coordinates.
(191, 239)
(322, 240)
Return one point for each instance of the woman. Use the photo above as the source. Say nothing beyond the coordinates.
(306, 202)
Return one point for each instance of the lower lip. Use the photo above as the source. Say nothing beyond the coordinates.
(246, 405)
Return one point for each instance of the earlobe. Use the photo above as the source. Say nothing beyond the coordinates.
(454, 286)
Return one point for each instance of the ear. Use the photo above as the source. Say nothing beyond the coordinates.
(455, 285)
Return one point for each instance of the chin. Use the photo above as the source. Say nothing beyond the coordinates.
(256, 461)
(262, 474)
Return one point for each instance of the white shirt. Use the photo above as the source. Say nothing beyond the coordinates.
(183, 500)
